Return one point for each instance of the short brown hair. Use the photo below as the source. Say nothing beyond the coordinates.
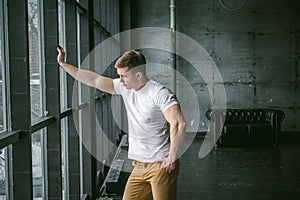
(132, 59)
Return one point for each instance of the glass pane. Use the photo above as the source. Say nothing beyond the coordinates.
(79, 100)
(61, 30)
(64, 155)
(37, 164)
(35, 58)
(2, 175)
(2, 81)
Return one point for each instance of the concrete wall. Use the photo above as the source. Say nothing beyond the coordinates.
(255, 47)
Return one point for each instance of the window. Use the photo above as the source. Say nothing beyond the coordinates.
(38, 167)
(37, 96)
(63, 104)
(64, 144)
(35, 58)
(63, 79)
(2, 73)
(3, 107)
(80, 35)
(3, 176)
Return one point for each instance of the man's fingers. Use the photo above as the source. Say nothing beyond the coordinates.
(60, 49)
(61, 54)
(170, 167)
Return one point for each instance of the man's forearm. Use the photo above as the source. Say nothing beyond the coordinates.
(177, 136)
(87, 77)
(70, 69)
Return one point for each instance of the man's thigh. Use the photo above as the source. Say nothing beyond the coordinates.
(164, 184)
(137, 188)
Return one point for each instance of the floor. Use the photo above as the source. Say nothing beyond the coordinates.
(252, 173)
(241, 173)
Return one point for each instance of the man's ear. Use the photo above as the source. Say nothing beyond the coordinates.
(139, 75)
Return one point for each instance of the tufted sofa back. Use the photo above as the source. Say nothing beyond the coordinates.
(247, 116)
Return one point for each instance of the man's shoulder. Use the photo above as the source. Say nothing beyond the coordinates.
(156, 85)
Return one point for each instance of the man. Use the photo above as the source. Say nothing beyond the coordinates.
(156, 127)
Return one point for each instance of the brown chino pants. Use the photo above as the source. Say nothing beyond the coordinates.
(147, 178)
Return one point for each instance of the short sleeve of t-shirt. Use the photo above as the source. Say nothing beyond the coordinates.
(165, 99)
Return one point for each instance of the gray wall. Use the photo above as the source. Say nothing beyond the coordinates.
(254, 47)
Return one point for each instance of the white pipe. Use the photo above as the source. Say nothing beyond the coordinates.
(173, 42)
(172, 14)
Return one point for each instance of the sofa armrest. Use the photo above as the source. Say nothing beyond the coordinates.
(275, 117)
(215, 113)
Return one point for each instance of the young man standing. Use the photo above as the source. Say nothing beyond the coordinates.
(156, 126)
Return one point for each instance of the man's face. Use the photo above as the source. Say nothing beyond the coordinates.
(127, 77)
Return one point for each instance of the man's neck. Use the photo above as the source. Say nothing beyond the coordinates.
(142, 83)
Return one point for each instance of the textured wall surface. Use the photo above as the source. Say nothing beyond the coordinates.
(255, 45)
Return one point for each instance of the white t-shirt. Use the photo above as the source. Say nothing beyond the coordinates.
(147, 127)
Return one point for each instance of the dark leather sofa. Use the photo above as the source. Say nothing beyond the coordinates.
(246, 127)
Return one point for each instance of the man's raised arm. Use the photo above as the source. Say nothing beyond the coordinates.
(87, 77)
